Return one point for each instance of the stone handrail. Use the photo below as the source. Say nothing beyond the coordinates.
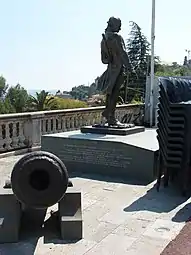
(24, 130)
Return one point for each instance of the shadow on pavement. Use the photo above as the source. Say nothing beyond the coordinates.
(106, 178)
(163, 201)
(184, 214)
(33, 227)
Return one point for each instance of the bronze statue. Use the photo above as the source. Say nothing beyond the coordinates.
(113, 53)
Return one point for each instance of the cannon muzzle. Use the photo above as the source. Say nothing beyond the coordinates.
(39, 180)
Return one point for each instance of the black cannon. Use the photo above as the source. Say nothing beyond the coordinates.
(174, 131)
(38, 181)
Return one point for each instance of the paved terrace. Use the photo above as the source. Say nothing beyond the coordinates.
(119, 218)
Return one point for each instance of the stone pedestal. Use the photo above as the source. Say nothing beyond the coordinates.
(70, 212)
(132, 156)
(10, 215)
(112, 131)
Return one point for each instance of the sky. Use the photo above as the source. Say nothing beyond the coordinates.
(55, 44)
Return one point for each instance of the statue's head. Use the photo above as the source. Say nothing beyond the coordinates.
(114, 24)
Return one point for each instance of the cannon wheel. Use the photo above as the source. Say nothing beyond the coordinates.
(39, 179)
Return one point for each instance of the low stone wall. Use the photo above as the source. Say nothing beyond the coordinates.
(24, 130)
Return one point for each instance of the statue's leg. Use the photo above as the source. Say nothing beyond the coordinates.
(105, 113)
(115, 95)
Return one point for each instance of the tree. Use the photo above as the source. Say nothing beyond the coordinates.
(41, 102)
(173, 70)
(6, 107)
(3, 86)
(18, 98)
(138, 49)
(80, 92)
(185, 61)
(93, 88)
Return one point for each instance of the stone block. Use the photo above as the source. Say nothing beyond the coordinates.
(10, 214)
(70, 213)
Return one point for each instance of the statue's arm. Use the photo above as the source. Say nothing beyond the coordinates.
(123, 53)
(104, 58)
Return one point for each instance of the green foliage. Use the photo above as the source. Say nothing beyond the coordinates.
(83, 92)
(138, 49)
(3, 86)
(63, 103)
(80, 92)
(173, 70)
(41, 102)
(18, 98)
(136, 99)
(6, 107)
(93, 88)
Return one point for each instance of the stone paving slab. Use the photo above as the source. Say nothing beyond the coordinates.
(133, 227)
(113, 244)
(164, 229)
(119, 219)
(181, 245)
(147, 246)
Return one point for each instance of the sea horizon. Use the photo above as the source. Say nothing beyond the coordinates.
(32, 92)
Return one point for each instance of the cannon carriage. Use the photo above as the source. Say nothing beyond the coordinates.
(39, 180)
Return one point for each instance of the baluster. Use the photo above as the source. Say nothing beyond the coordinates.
(64, 128)
(69, 123)
(80, 121)
(43, 126)
(21, 134)
(118, 115)
(15, 138)
(59, 124)
(54, 125)
(72, 123)
(91, 118)
(49, 126)
(65, 122)
(1, 139)
(131, 113)
(99, 117)
(8, 140)
(76, 122)
(83, 120)
(94, 118)
(88, 119)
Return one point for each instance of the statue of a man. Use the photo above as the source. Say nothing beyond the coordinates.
(113, 53)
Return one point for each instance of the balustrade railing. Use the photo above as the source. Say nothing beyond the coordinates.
(24, 130)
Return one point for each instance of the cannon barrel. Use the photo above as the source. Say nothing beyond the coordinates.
(39, 180)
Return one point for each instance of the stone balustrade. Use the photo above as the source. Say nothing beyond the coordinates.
(24, 130)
